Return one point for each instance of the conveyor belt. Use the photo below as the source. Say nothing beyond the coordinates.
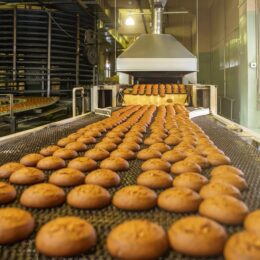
(243, 156)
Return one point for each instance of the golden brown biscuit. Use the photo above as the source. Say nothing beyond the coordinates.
(88, 196)
(124, 241)
(130, 146)
(226, 169)
(65, 153)
(148, 153)
(67, 177)
(43, 195)
(161, 147)
(155, 179)
(77, 146)
(16, 225)
(134, 197)
(97, 154)
(180, 200)
(65, 236)
(191, 180)
(197, 236)
(217, 188)
(232, 179)
(27, 176)
(8, 168)
(242, 246)
(83, 164)
(31, 159)
(172, 140)
(103, 177)
(185, 166)
(224, 209)
(156, 164)
(87, 140)
(106, 145)
(51, 163)
(114, 164)
(7, 193)
(115, 140)
(198, 159)
(252, 222)
(49, 150)
(216, 159)
(64, 141)
(124, 153)
(172, 156)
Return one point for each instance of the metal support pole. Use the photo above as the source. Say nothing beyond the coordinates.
(77, 50)
(197, 34)
(115, 33)
(74, 100)
(14, 43)
(49, 56)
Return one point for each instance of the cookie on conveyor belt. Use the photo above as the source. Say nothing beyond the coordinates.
(155, 179)
(173, 156)
(65, 236)
(77, 146)
(124, 153)
(103, 177)
(97, 154)
(106, 145)
(114, 164)
(148, 153)
(7, 193)
(43, 195)
(179, 200)
(216, 159)
(8, 168)
(51, 163)
(232, 179)
(130, 146)
(156, 164)
(65, 153)
(87, 140)
(161, 147)
(31, 159)
(49, 150)
(89, 196)
(243, 245)
(198, 159)
(137, 239)
(16, 225)
(252, 222)
(191, 180)
(226, 169)
(213, 189)
(197, 236)
(224, 209)
(185, 166)
(135, 197)
(83, 164)
(67, 177)
(27, 176)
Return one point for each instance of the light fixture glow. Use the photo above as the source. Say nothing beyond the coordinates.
(129, 21)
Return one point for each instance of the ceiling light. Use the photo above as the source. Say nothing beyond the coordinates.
(129, 21)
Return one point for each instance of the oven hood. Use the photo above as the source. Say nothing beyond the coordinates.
(157, 54)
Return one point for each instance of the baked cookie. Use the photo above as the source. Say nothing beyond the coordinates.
(106, 145)
(217, 188)
(64, 141)
(161, 147)
(130, 146)
(137, 239)
(156, 164)
(88, 196)
(65, 153)
(77, 146)
(124, 153)
(51, 163)
(216, 159)
(7, 193)
(67, 177)
(155, 179)
(172, 156)
(148, 153)
(65, 236)
(16, 225)
(103, 177)
(43, 195)
(31, 159)
(252, 222)
(224, 209)
(82, 164)
(197, 236)
(27, 176)
(115, 164)
(185, 166)
(179, 199)
(226, 169)
(135, 197)
(198, 159)
(87, 140)
(8, 168)
(242, 246)
(191, 180)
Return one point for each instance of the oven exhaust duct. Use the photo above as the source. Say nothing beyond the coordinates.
(157, 55)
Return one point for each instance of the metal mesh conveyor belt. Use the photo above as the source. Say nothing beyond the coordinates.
(243, 156)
